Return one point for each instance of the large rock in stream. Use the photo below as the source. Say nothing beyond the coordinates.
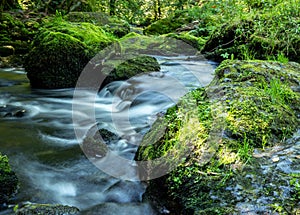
(206, 144)
(60, 51)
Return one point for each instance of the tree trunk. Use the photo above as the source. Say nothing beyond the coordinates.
(159, 8)
(112, 7)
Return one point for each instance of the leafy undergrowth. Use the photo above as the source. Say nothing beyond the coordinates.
(258, 30)
(243, 29)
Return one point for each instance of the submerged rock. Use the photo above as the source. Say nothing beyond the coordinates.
(12, 111)
(8, 181)
(32, 208)
(207, 142)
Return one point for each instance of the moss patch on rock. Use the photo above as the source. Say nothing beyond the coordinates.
(169, 45)
(135, 66)
(169, 24)
(212, 132)
(61, 50)
(8, 180)
(132, 67)
(195, 42)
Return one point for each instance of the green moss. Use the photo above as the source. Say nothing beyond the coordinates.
(196, 42)
(8, 180)
(117, 27)
(113, 25)
(163, 26)
(261, 104)
(94, 37)
(248, 105)
(16, 31)
(56, 62)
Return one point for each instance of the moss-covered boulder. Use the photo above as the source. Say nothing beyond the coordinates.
(32, 208)
(61, 50)
(8, 181)
(110, 24)
(211, 134)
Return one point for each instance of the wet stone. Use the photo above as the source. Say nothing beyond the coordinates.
(12, 111)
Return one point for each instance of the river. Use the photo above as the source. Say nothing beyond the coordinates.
(37, 133)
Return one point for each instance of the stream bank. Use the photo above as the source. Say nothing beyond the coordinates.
(215, 135)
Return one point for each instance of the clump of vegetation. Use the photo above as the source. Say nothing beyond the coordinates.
(212, 132)
(260, 30)
(8, 180)
(16, 33)
(12, 28)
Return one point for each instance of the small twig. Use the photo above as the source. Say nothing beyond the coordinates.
(226, 43)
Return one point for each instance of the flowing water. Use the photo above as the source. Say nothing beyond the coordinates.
(37, 133)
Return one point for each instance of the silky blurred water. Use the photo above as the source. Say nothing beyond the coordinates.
(45, 153)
